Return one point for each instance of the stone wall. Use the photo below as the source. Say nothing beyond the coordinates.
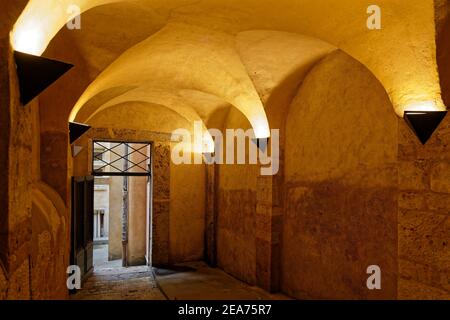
(161, 204)
(115, 218)
(424, 214)
(236, 220)
(16, 182)
(187, 212)
(33, 225)
(49, 246)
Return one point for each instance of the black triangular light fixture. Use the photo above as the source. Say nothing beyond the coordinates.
(424, 123)
(76, 130)
(36, 74)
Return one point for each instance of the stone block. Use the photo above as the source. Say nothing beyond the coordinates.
(440, 178)
(412, 290)
(161, 171)
(438, 202)
(412, 176)
(418, 272)
(424, 237)
(411, 200)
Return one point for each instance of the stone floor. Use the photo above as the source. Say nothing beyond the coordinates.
(189, 281)
(111, 281)
(199, 282)
(101, 256)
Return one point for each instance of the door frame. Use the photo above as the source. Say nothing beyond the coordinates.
(149, 175)
(81, 235)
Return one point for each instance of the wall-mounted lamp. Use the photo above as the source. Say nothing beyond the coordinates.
(36, 74)
(76, 130)
(424, 123)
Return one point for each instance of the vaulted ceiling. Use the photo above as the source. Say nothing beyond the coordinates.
(197, 57)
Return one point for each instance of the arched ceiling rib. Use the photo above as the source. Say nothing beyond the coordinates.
(181, 57)
(264, 54)
(151, 96)
(401, 55)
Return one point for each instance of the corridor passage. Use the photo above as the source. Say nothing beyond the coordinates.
(238, 147)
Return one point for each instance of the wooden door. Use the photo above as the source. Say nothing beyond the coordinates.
(82, 230)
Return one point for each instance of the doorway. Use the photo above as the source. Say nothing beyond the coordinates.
(122, 172)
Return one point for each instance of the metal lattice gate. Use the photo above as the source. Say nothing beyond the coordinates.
(112, 158)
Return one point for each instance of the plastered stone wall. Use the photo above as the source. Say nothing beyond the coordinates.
(55, 105)
(187, 212)
(236, 221)
(341, 185)
(49, 258)
(16, 181)
(49, 228)
(32, 256)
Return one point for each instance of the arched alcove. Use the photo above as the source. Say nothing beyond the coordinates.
(340, 184)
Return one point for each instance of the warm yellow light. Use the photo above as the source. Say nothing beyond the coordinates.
(260, 126)
(41, 20)
(422, 106)
(208, 143)
(28, 40)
